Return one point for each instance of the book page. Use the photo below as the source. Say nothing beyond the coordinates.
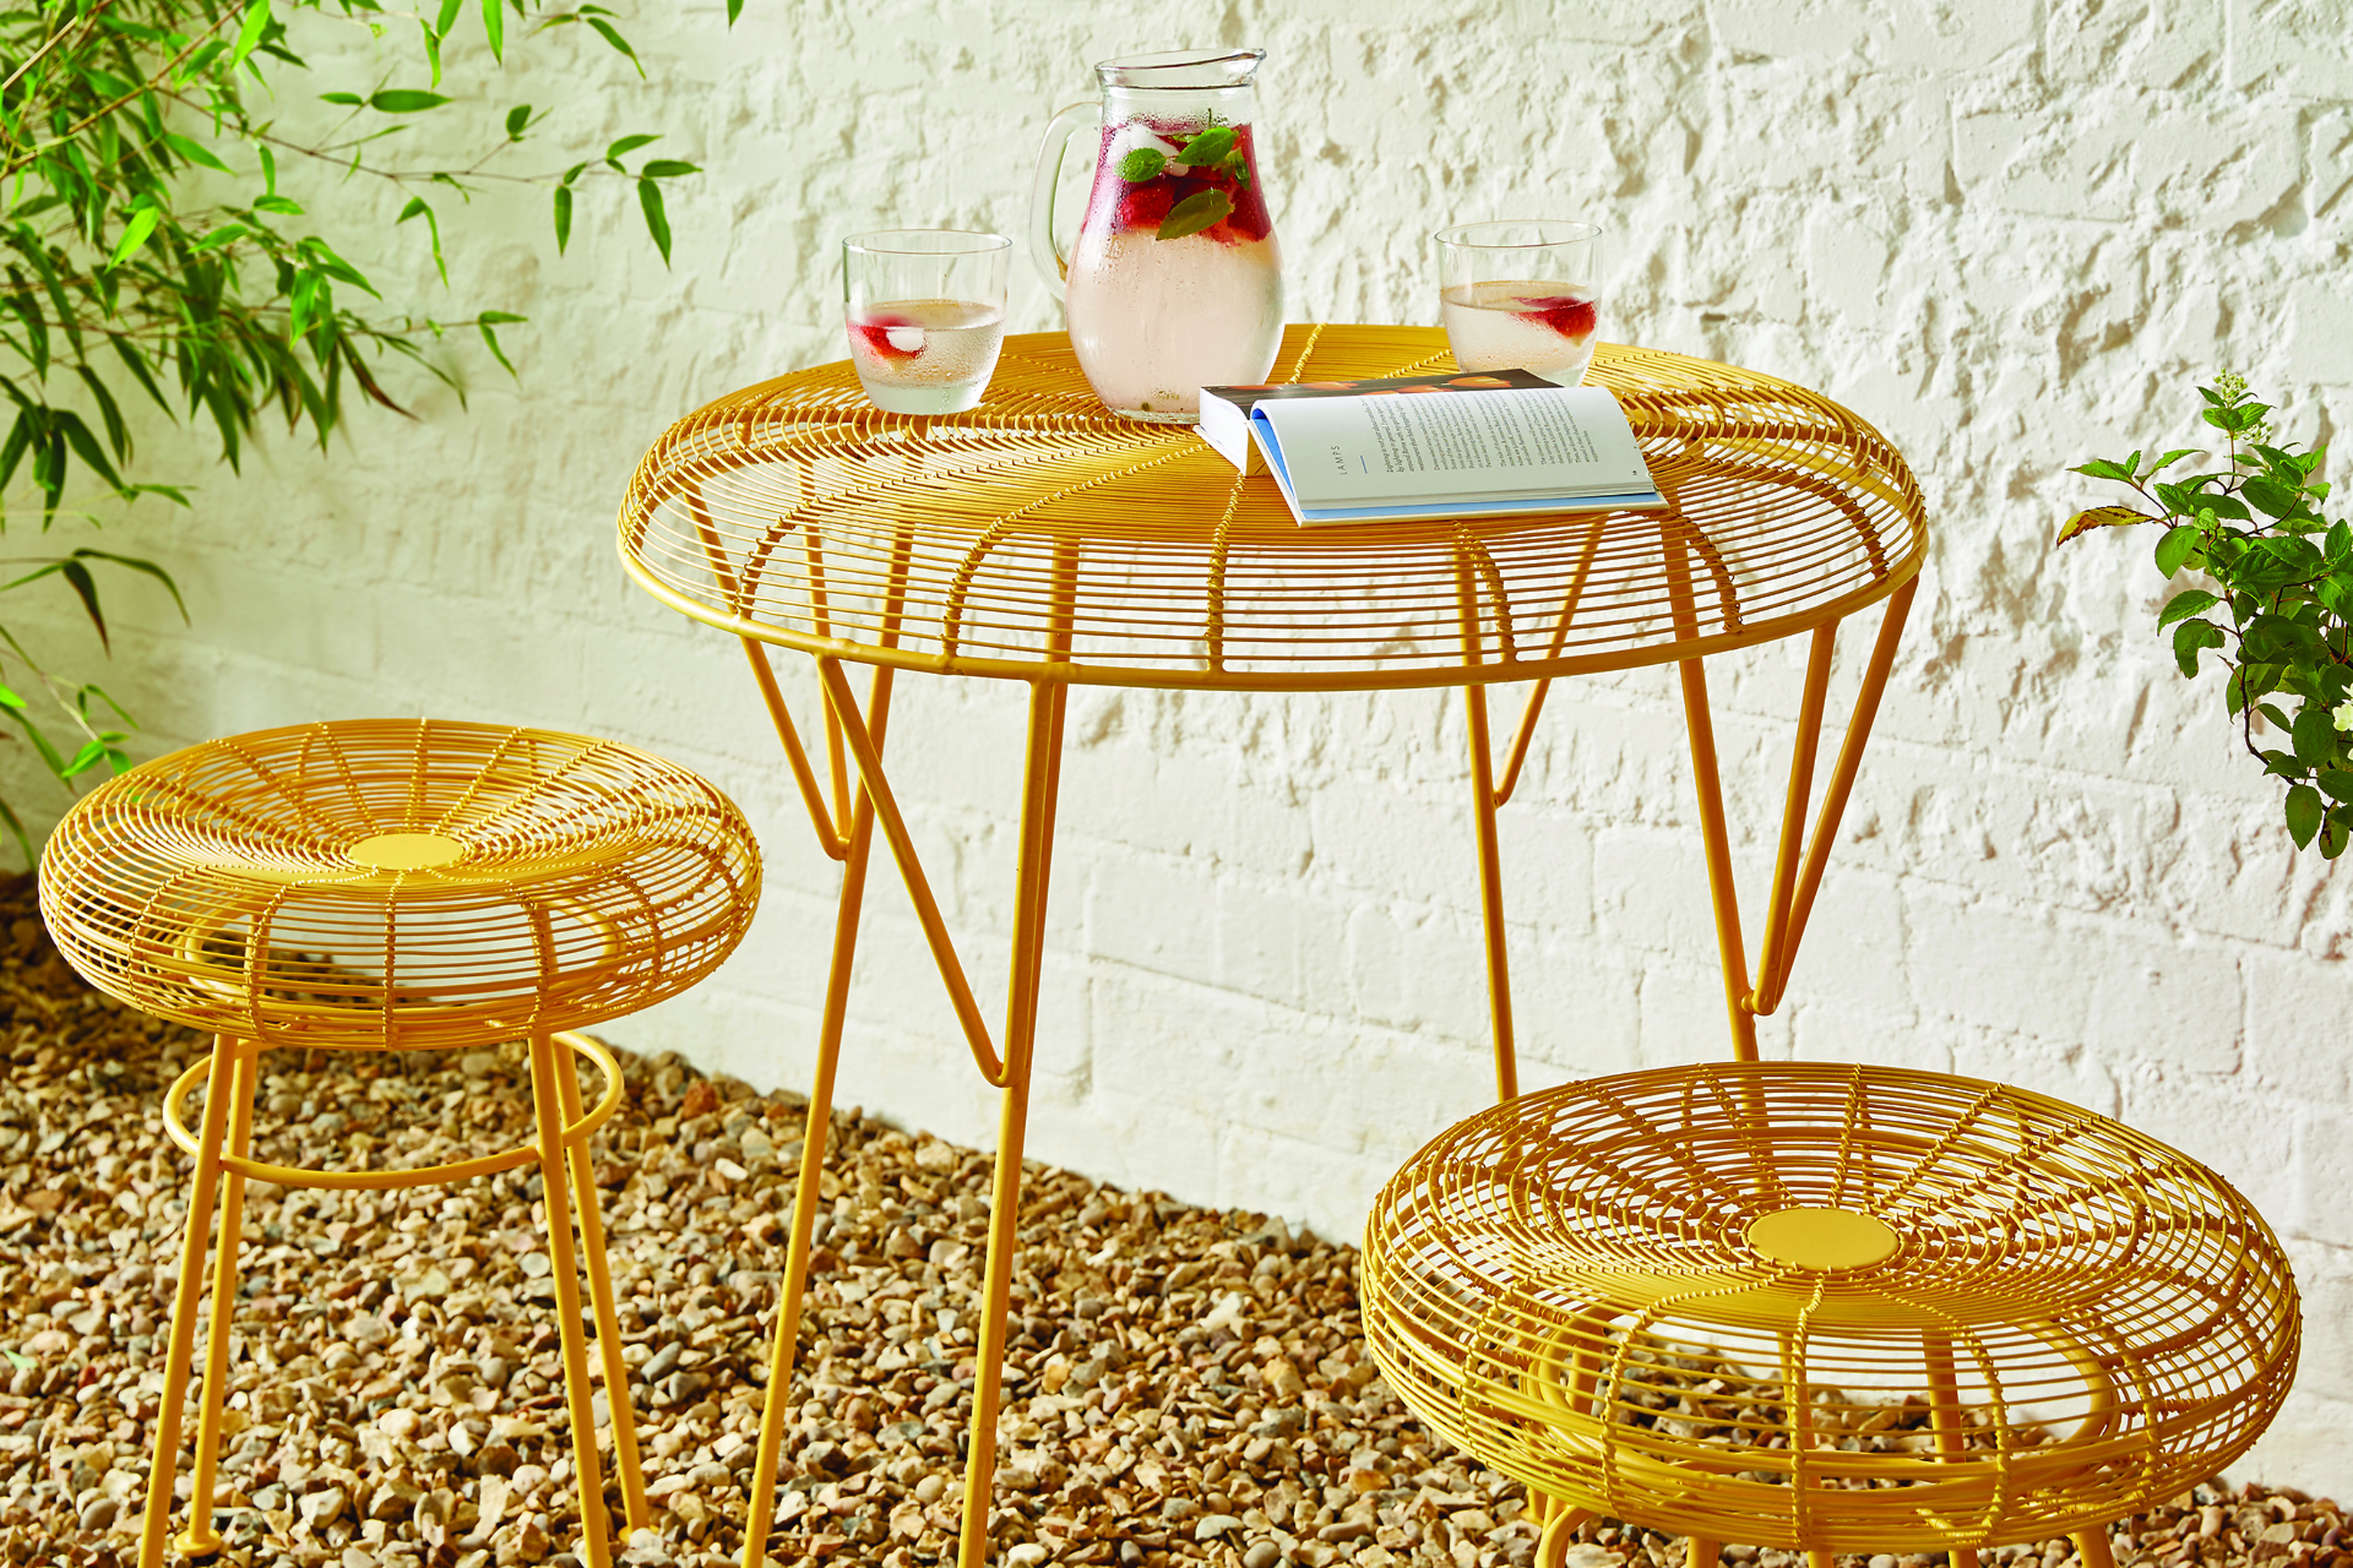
(1557, 441)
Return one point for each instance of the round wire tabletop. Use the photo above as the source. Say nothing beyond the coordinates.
(1041, 536)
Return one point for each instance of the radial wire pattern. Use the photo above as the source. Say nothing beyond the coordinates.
(2073, 1319)
(400, 883)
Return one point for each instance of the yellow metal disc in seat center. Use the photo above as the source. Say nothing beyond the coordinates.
(1808, 1237)
(404, 851)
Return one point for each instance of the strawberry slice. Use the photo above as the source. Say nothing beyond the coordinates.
(1563, 314)
(890, 336)
(1142, 206)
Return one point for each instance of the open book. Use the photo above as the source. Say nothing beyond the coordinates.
(1453, 454)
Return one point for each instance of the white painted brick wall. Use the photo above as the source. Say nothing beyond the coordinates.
(2009, 232)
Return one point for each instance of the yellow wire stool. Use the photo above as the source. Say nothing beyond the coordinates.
(397, 885)
(1827, 1308)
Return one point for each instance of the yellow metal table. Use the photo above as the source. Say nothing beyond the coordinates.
(1040, 539)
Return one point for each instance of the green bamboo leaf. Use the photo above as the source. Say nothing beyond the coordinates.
(134, 233)
(649, 199)
(668, 169)
(449, 17)
(118, 434)
(192, 152)
(494, 27)
(562, 218)
(604, 30)
(256, 20)
(488, 321)
(734, 10)
(622, 149)
(518, 122)
(405, 101)
(416, 208)
(432, 50)
(135, 564)
(85, 446)
(85, 587)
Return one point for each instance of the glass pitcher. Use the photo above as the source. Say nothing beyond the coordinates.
(1174, 282)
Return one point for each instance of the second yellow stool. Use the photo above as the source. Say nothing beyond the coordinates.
(397, 885)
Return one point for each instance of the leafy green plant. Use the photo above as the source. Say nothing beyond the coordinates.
(2280, 612)
(156, 246)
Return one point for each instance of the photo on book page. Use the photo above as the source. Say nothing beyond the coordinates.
(1453, 454)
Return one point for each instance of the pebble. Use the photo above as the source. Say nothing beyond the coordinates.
(1185, 1385)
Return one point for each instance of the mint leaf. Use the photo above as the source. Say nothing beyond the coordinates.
(1142, 163)
(1193, 214)
(1208, 149)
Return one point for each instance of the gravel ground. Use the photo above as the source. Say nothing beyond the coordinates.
(1184, 1385)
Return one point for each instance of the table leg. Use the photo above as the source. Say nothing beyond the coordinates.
(1040, 788)
(855, 851)
(806, 1195)
(1041, 781)
(1485, 801)
(1797, 877)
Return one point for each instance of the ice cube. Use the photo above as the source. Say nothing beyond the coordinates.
(906, 339)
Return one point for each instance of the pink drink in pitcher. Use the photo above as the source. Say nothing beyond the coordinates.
(1175, 281)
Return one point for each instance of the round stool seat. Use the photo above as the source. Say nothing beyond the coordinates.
(1824, 1307)
(400, 883)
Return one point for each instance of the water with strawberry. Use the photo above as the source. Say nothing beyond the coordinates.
(925, 356)
(1544, 327)
(1176, 280)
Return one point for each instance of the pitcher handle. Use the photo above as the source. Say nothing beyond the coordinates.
(1043, 251)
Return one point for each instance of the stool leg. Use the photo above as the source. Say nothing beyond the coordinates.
(199, 1538)
(600, 1296)
(2092, 1546)
(1561, 1528)
(183, 1340)
(547, 1107)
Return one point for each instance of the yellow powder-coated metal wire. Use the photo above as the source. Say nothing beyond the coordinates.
(1042, 535)
(507, 881)
(1827, 1307)
(397, 885)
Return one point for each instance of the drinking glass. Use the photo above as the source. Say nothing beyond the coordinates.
(924, 309)
(1523, 294)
